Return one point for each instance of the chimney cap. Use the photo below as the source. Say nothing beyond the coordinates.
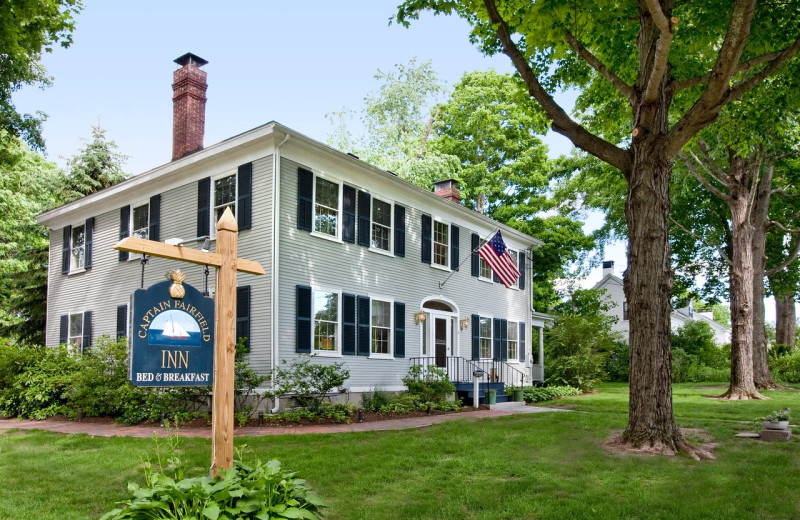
(447, 183)
(608, 264)
(190, 59)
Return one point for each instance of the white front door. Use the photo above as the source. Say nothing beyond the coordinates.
(439, 337)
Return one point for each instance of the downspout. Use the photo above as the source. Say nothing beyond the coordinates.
(276, 198)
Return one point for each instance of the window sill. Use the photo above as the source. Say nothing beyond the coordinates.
(487, 280)
(76, 271)
(381, 356)
(382, 252)
(327, 353)
(440, 267)
(326, 237)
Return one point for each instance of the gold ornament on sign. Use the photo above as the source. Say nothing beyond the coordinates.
(176, 290)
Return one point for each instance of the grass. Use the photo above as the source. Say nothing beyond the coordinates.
(541, 466)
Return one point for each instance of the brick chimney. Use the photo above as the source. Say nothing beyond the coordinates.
(448, 189)
(188, 105)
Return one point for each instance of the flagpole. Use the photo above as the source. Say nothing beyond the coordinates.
(441, 284)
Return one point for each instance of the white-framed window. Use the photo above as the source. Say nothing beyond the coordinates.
(381, 327)
(76, 331)
(515, 257)
(326, 322)
(381, 225)
(224, 196)
(441, 244)
(485, 334)
(78, 248)
(484, 270)
(140, 221)
(327, 204)
(513, 341)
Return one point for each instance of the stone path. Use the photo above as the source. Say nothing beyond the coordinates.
(117, 430)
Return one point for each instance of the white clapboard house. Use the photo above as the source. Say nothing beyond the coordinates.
(362, 267)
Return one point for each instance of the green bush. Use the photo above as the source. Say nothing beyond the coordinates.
(696, 338)
(338, 412)
(40, 389)
(618, 363)
(428, 383)
(787, 368)
(372, 402)
(310, 383)
(246, 491)
(535, 394)
(582, 370)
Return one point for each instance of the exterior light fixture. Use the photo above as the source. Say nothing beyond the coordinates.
(419, 317)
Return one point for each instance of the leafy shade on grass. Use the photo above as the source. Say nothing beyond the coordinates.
(549, 466)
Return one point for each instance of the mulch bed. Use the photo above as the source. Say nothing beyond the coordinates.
(205, 422)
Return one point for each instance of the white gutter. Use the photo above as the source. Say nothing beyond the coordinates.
(276, 197)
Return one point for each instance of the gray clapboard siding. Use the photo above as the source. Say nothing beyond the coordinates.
(110, 282)
(310, 260)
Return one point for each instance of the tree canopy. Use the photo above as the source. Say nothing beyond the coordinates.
(28, 28)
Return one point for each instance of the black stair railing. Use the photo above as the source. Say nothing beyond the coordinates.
(460, 370)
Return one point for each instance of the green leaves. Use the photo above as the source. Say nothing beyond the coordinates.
(246, 491)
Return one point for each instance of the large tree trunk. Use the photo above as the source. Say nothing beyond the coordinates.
(786, 319)
(760, 215)
(742, 385)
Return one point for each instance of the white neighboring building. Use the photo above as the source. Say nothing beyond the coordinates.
(612, 284)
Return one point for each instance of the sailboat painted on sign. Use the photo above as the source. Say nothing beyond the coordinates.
(174, 328)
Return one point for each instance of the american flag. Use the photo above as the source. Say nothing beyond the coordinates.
(495, 253)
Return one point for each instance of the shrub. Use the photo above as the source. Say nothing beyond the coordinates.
(582, 370)
(787, 368)
(246, 491)
(618, 363)
(339, 412)
(309, 382)
(373, 402)
(428, 383)
(696, 338)
(535, 394)
(39, 390)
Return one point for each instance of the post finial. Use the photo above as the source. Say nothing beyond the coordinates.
(227, 221)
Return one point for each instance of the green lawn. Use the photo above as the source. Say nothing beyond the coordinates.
(549, 465)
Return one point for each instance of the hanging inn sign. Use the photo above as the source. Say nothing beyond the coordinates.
(172, 340)
(184, 335)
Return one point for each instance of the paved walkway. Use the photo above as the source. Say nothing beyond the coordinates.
(117, 430)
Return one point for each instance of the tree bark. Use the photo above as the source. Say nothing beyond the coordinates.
(786, 319)
(742, 385)
(762, 377)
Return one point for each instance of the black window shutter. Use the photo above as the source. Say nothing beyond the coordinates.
(364, 207)
(399, 231)
(496, 325)
(521, 282)
(349, 214)
(66, 245)
(243, 315)
(303, 323)
(244, 203)
(476, 337)
(154, 230)
(426, 239)
(454, 251)
(522, 330)
(88, 241)
(349, 324)
(305, 194)
(399, 330)
(363, 326)
(503, 340)
(63, 330)
(476, 260)
(124, 228)
(87, 330)
(204, 207)
(122, 321)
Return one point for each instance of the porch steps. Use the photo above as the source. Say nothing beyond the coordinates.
(508, 405)
(466, 390)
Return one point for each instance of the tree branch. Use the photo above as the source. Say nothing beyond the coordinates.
(562, 123)
(427, 134)
(739, 90)
(663, 45)
(742, 67)
(791, 257)
(783, 228)
(713, 169)
(700, 178)
(625, 89)
(703, 240)
(707, 107)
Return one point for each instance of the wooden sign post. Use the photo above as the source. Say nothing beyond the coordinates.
(227, 264)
